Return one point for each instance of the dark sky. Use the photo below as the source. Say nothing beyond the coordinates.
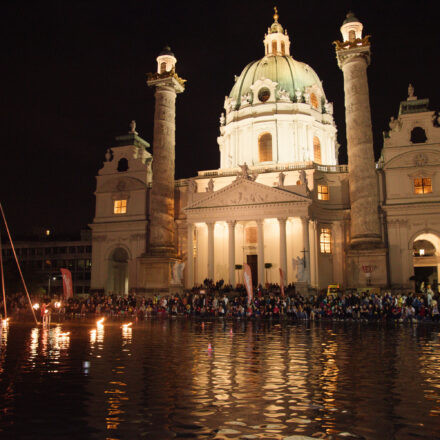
(73, 77)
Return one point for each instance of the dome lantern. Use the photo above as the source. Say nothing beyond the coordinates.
(276, 41)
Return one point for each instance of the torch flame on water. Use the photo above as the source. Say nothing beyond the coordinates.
(63, 335)
(5, 321)
(127, 325)
(100, 322)
(36, 306)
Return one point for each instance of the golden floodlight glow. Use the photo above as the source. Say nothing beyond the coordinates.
(5, 322)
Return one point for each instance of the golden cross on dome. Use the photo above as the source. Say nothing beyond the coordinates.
(275, 16)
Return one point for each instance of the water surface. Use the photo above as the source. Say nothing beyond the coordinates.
(165, 379)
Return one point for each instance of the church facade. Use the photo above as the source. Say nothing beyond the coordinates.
(279, 199)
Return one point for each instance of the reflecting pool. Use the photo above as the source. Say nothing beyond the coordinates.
(163, 379)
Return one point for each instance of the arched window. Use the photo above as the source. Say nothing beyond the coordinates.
(314, 100)
(351, 35)
(283, 48)
(122, 165)
(274, 47)
(418, 135)
(316, 150)
(325, 241)
(265, 147)
(163, 67)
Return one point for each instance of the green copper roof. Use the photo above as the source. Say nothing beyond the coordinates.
(350, 18)
(284, 70)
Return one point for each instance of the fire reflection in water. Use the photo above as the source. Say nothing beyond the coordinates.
(3, 342)
(53, 344)
(430, 369)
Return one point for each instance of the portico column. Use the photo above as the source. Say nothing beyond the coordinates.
(260, 238)
(283, 250)
(231, 251)
(190, 257)
(306, 246)
(211, 250)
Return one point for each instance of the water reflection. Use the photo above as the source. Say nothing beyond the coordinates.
(231, 380)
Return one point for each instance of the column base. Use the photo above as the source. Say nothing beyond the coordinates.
(302, 287)
(155, 275)
(366, 241)
(367, 268)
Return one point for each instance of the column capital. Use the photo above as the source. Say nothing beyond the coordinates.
(282, 219)
(231, 223)
(304, 219)
(260, 221)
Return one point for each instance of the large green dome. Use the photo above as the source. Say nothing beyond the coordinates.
(284, 70)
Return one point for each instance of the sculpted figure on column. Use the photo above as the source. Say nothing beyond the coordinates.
(167, 85)
(353, 56)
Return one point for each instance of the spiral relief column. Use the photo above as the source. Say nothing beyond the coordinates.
(366, 246)
(160, 267)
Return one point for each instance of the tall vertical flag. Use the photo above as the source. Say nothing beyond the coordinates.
(67, 283)
(282, 282)
(247, 275)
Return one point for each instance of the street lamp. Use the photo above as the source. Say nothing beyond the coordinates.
(48, 283)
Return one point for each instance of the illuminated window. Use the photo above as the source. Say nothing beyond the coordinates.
(422, 185)
(314, 100)
(316, 150)
(283, 47)
(325, 241)
(274, 47)
(265, 147)
(120, 207)
(323, 192)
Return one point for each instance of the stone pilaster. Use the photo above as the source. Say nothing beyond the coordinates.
(231, 251)
(190, 257)
(211, 250)
(283, 248)
(306, 247)
(260, 239)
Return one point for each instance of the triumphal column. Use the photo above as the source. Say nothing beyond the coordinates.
(159, 267)
(367, 251)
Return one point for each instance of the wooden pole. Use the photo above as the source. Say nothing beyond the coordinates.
(3, 279)
(18, 264)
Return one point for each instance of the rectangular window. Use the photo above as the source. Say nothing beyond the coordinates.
(422, 185)
(325, 241)
(120, 207)
(323, 192)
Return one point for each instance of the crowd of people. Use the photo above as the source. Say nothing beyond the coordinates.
(211, 301)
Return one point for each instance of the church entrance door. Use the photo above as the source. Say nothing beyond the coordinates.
(252, 261)
(117, 280)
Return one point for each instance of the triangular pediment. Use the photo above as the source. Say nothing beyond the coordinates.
(245, 192)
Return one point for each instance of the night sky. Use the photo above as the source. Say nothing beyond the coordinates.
(73, 77)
